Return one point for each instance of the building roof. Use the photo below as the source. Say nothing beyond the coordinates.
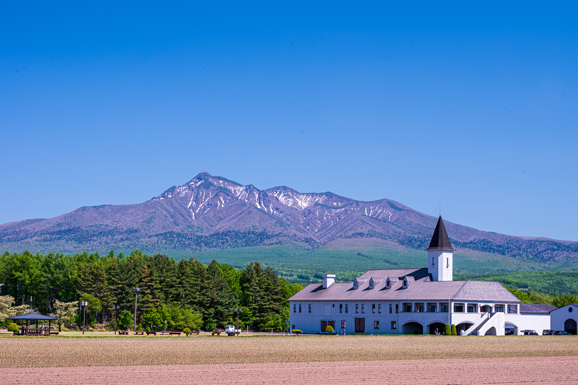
(32, 317)
(420, 288)
(440, 239)
(527, 308)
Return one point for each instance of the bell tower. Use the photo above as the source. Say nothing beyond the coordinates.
(440, 254)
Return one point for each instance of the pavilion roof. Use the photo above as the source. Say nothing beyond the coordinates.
(32, 317)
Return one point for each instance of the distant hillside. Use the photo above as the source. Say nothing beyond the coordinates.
(213, 213)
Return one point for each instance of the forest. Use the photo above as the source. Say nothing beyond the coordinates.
(168, 294)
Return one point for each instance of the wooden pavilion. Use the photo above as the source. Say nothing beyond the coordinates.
(26, 330)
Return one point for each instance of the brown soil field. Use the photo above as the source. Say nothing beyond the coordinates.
(533, 370)
(289, 359)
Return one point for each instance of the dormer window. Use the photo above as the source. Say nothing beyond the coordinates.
(355, 286)
(405, 283)
(387, 284)
(371, 283)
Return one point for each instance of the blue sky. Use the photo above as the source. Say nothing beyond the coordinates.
(473, 107)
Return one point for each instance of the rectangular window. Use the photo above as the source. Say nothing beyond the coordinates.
(471, 308)
(459, 308)
(391, 308)
(294, 308)
(357, 308)
(376, 324)
(299, 308)
(379, 308)
(363, 308)
(309, 308)
(373, 308)
(397, 308)
(444, 308)
(393, 325)
(499, 309)
(346, 308)
(340, 308)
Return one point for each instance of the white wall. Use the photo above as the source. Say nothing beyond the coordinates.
(559, 316)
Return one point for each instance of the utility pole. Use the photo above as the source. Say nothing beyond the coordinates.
(238, 310)
(135, 302)
(84, 304)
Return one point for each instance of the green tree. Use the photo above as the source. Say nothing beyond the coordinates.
(454, 330)
(64, 312)
(448, 330)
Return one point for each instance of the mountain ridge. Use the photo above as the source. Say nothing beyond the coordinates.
(211, 212)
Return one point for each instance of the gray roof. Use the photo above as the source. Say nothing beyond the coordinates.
(485, 290)
(420, 287)
(33, 317)
(527, 308)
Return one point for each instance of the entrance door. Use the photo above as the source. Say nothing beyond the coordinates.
(360, 325)
(570, 326)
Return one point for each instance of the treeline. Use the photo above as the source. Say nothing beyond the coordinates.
(534, 297)
(171, 294)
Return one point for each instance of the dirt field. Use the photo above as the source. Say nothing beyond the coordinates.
(302, 359)
(550, 370)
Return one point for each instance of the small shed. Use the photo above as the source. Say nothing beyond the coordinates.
(26, 330)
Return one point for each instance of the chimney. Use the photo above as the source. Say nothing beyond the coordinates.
(328, 280)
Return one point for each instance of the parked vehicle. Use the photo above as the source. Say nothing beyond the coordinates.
(509, 331)
(561, 333)
(547, 332)
(530, 333)
(232, 331)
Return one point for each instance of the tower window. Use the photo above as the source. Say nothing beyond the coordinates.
(447, 262)
(433, 261)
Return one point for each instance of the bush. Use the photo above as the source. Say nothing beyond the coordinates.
(448, 330)
(296, 331)
(13, 327)
(329, 329)
(187, 331)
(454, 330)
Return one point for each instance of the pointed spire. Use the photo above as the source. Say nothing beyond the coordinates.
(440, 239)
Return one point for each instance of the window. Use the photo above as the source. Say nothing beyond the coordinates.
(419, 308)
(397, 308)
(444, 308)
(459, 308)
(390, 308)
(373, 308)
(433, 263)
(346, 308)
(376, 324)
(393, 325)
(387, 284)
(355, 284)
(294, 308)
(309, 308)
(299, 308)
(340, 308)
(379, 308)
(471, 308)
(363, 308)
(447, 262)
(431, 308)
(499, 309)
(371, 283)
(357, 308)
(404, 283)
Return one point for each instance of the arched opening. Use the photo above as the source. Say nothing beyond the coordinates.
(463, 327)
(491, 332)
(570, 326)
(412, 328)
(511, 329)
(436, 326)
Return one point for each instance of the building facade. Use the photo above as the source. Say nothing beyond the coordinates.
(412, 301)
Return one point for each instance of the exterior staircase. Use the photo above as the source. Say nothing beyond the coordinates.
(486, 323)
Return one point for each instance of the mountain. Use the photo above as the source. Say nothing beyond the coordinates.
(211, 212)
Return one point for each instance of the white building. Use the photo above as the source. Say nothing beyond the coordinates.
(565, 318)
(412, 301)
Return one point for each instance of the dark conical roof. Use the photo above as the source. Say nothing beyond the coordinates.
(440, 239)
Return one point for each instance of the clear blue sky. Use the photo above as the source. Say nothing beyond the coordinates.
(473, 107)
